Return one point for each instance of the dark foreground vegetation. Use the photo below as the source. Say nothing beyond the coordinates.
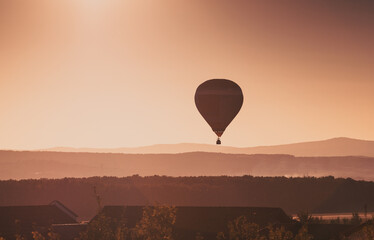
(293, 195)
(159, 223)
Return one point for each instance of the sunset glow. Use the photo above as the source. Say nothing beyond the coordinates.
(124, 73)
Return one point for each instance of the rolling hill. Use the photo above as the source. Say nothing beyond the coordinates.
(24, 165)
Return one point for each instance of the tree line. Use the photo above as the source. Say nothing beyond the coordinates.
(326, 194)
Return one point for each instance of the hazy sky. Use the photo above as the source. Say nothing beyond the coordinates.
(95, 73)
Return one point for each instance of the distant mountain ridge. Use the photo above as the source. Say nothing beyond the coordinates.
(331, 147)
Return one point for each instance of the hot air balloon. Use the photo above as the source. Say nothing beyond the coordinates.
(218, 101)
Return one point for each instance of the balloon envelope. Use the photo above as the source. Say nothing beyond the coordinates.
(219, 101)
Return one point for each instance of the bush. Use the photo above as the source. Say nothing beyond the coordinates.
(156, 224)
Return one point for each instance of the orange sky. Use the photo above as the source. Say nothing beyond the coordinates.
(94, 73)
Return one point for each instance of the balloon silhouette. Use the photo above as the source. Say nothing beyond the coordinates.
(218, 101)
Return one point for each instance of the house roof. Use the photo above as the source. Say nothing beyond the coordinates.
(328, 231)
(63, 208)
(206, 220)
(357, 230)
(24, 219)
(69, 231)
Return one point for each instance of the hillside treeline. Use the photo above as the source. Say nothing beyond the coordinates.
(326, 194)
